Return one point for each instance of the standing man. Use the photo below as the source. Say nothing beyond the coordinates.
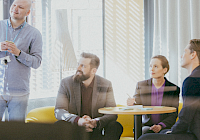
(81, 95)
(21, 49)
(188, 125)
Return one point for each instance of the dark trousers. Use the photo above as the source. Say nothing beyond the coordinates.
(163, 136)
(36, 131)
(76, 132)
(112, 131)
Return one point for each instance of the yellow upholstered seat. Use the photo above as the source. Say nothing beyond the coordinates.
(41, 115)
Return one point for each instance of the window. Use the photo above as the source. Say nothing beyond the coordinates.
(85, 33)
(1, 9)
(124, 39)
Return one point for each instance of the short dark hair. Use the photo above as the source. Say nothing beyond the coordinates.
(95, 61)
(195, 46)
(164, 61)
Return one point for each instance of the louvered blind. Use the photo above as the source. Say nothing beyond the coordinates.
(124, 38)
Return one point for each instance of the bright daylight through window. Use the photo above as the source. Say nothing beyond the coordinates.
(68, 28)
(1, 9)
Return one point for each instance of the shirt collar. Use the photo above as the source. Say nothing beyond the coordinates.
(91, 84)
(196, 69)
(10, 25)
(161, 88)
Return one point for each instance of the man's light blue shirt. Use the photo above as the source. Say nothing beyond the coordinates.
(15, 76)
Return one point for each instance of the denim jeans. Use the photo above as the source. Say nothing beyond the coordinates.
(17, 106)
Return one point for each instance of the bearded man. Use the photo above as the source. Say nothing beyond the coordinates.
(81, 95)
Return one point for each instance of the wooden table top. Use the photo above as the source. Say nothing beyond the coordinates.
(137, 111)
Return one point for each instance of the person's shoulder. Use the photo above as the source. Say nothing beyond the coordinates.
(67, 80)
(102, 80)
(3, 22)
(191, 86)
(196, 72)
(193, 82)
(170, 83)
(189, 81)
(33, 29)
(171, 86)
(144, 82)
(194, 77)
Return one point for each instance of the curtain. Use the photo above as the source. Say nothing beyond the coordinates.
(148, 30)
(63, 48)
(175, 23)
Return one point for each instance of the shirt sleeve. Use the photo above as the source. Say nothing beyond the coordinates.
(34, 57)
(61, 109)
(162, 124)
(137, 94)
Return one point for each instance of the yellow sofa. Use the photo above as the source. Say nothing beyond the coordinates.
(46, 115)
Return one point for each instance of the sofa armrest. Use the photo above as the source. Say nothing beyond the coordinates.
(41, 115)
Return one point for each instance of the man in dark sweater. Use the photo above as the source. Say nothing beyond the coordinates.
(81, 95)
(188, 125)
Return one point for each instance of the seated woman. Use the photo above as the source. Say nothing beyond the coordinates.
(157, 91)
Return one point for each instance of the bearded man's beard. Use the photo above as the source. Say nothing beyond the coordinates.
(80, 78)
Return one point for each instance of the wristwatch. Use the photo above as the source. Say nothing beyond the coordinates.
(18, 55)
(98, 121)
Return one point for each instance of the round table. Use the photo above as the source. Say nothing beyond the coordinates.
(137, 112)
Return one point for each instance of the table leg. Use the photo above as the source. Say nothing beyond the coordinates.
(137, 126)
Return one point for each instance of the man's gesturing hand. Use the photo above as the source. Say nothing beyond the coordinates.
(10, 47)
